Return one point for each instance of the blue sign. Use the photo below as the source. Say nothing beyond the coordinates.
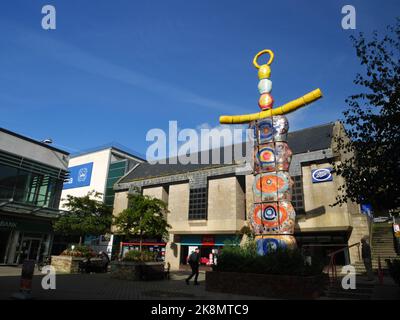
(321, 175)
(366, 208)
(79, 176)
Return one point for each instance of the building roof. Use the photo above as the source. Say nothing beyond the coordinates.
(301, 141)
(311, 139)
(45, 145)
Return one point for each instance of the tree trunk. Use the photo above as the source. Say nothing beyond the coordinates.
(140, 242)
(80, 240)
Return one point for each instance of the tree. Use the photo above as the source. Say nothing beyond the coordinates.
(144, 217)
(371, 165)
(86, 215)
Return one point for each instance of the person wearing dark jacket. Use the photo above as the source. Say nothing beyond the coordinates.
(194, 262)
(366, 256)
(105, 261)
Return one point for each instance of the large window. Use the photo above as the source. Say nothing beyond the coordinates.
(297, 195)
(116, 171)
(8, 176)
(198, 204)
(29, 187)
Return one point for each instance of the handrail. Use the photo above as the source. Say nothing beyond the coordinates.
(347, 247)
(332, 262)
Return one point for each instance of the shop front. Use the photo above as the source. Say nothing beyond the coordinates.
(23, 238)
(321, 244)
(209, 245)
(151, 245)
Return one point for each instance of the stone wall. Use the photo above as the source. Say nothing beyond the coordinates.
(265, 285)
(66, 264)
(137, 270)
(318, 201)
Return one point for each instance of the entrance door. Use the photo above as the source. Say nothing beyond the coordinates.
(4, 236)
(34, 250)
(30, 249)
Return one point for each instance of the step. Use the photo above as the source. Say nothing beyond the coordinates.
(352, 296)
(383, 242)
(359, 290)
(383, 247)
(385, 255)
(388, 246)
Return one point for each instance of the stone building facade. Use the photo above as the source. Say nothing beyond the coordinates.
(209, 204)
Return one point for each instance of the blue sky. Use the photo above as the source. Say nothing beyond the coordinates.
(112, 70)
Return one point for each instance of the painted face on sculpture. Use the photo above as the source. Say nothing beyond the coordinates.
(273, 217)
(272, 186)
(270, 244)
(271, 129)
(272, 157)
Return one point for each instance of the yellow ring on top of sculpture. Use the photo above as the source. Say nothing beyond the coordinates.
(271, 58)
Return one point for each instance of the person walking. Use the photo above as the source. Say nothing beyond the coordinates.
(366, 256)
(194, 262)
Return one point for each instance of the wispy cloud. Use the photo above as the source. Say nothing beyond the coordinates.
(73, 56)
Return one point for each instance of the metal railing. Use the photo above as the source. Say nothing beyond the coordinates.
(332, 270)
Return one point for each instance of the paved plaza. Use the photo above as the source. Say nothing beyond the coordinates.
(102, 287)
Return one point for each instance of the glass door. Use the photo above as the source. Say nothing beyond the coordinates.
(30, 249)
(4, 239)
(34, 249)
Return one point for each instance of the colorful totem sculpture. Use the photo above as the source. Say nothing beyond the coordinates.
(273, 217)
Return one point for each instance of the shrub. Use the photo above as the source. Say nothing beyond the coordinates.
(79, 251)
(394, 269)
(135, 255)
(282, 262)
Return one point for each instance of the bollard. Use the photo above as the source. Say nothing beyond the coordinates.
(25, 288)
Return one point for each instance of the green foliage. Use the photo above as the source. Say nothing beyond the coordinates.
(394, 269)
(372, 124)
(246, 230)
(144, 217)
(79, 251)
(134, 255)
(86, 215)
(283, 262)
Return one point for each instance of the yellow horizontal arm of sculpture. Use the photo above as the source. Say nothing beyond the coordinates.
(285, 109)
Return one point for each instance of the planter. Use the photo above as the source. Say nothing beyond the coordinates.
(66, 264)
(266, 285)
(127, 270)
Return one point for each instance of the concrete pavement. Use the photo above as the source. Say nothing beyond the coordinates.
(102, 286)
